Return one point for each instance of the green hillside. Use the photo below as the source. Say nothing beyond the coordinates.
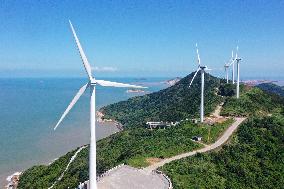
(132, 146)
(272, 88)
(252, 101)
(253, 159)
(135, 144)
(171, 104)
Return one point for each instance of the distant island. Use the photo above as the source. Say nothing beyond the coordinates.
(135, 91)
(255, 82)
(172, 82)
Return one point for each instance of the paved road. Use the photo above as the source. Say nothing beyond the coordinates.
(217, 144)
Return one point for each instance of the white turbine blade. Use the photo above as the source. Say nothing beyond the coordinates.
(230, 62)
(82, 54)
(116, 84)
(198, 57)
(233, 61)
(194, 76)
(73, 102)
(237, 51)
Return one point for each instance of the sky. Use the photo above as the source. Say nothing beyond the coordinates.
(140, 38)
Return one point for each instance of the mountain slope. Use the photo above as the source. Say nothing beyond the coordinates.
(272, 88)
(252, 101)
(171, 104)
(132, 146)
(253, 159)
(135, 145)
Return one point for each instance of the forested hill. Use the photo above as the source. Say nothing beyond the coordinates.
(171, 104)
(252, 159)
(272, 88)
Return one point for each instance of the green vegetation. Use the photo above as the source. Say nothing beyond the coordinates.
(47, 174)
(212, 133)
(227, 89)
(252, 101)
(249, 156)
(171, 104)
(253, 159)
(132, 146)
(272, 88)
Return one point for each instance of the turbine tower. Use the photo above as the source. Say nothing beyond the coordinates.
(238, 73)
(227, 65)
(92, 86)
(233, 71)
(202, 70)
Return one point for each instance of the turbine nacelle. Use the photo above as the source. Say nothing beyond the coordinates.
(93, 81)
(200, 67)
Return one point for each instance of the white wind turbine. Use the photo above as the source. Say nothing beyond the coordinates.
(238, 72)
(227, 65)
(233, 69)
(202, 70)
(92, 86)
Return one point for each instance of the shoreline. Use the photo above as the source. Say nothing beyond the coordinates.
(13, 179)
(100, 119)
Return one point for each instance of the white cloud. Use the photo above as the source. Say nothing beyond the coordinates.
(104, 69)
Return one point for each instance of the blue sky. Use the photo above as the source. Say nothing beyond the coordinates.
(140, 38)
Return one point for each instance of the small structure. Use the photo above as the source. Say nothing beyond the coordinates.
(197, 138)
(194, 120)
(157, 124)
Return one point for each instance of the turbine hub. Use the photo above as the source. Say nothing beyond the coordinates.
(93, 81)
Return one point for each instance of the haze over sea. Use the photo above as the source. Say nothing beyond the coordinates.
(30, 109)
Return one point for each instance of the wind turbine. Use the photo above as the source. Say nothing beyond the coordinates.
(238, 73)
(227, 65)
(202, 70)
(233, 69)
(92, 86)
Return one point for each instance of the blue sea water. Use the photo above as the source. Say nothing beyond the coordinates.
(30, 108)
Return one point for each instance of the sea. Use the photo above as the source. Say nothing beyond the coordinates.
(30, 108)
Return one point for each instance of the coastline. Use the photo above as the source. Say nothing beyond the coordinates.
(100, 119)
(13, 179)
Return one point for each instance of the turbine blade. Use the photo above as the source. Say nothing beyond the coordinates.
(197, 52)
(194, 76)
(233, 61)
(237, 51)
(73, 102)
(82, 54)
(116, 84)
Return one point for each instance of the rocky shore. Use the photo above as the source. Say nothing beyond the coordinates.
(101, 119)
(13, 180)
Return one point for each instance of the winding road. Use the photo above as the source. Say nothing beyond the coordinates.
(226, 135)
